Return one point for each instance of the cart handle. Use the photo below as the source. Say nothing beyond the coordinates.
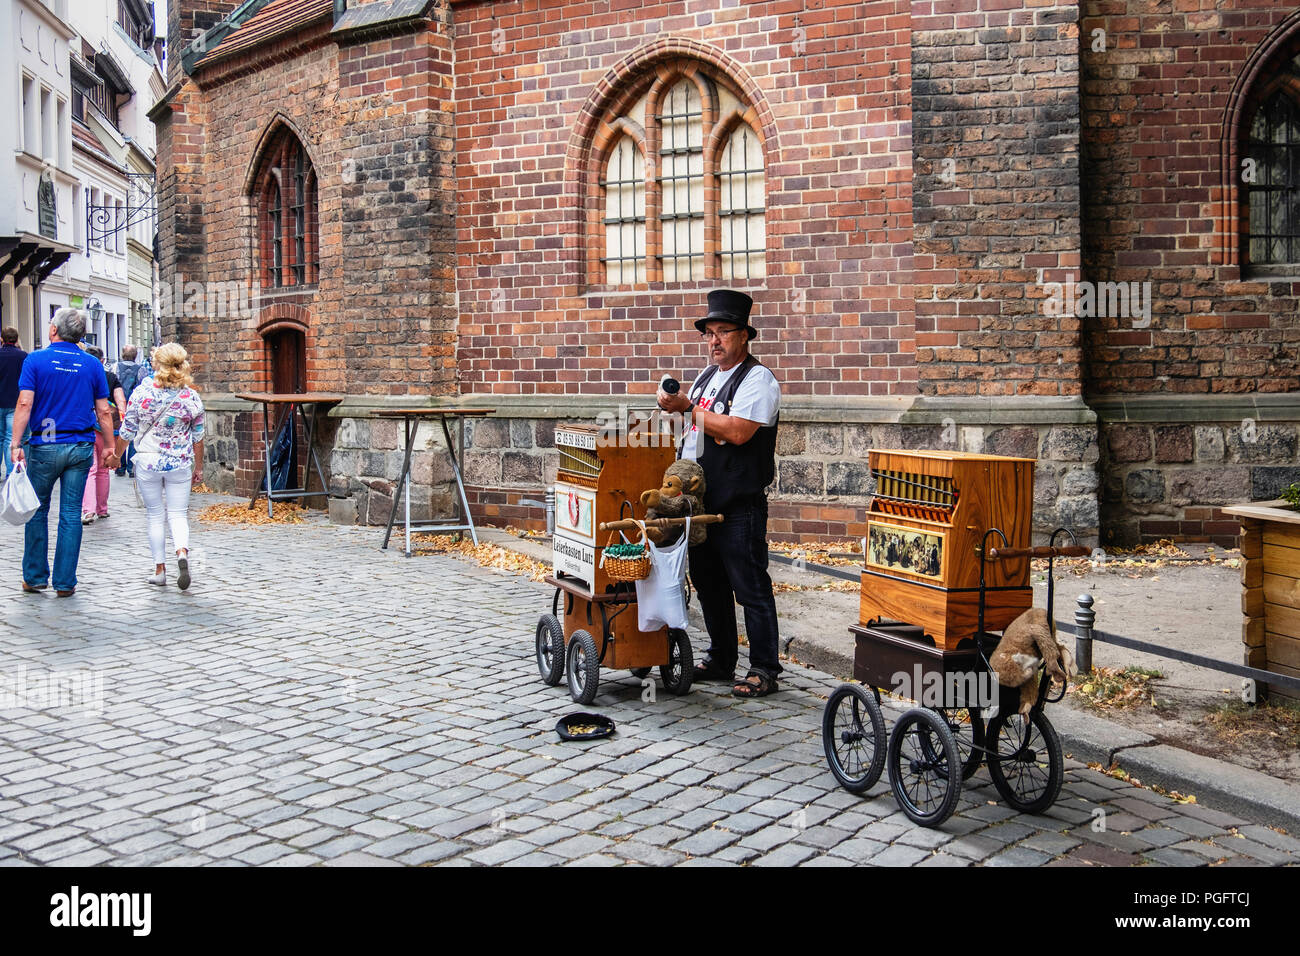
(1068, 551)
(660, 523)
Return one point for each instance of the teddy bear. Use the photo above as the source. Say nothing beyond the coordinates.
(682, 493)
(1029, 641)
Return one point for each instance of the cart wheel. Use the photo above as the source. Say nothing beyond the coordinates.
(584, 667)
(853, 736)
(1025, 760)
(927, 789)
(550, 648)
(640, 673)
(679, 670)
(967, 728)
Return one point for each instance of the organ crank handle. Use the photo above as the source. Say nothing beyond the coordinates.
(661, 523)
(1067, 551)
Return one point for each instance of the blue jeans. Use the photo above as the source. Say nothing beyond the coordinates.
(730, 567)
(6, 436)
(68, 464)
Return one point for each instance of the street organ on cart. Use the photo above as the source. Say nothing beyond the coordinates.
(593, 620)
(946, 562)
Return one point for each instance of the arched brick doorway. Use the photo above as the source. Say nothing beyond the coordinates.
(286, 359)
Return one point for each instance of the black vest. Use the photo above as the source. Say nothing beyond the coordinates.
(733, 473)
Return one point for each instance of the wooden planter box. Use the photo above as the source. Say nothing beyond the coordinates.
(1270, 588)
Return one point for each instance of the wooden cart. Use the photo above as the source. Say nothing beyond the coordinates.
(593, 620)
(939, 569)
(586, 631)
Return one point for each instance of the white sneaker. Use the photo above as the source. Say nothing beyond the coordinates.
(159, 579)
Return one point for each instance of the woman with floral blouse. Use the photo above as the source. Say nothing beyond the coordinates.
(165, 420)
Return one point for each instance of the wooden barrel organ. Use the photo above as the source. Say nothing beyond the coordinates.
(925, 527)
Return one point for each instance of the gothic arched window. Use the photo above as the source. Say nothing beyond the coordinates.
(287, 217)
(679, 190)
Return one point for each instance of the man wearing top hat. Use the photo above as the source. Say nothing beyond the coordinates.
(730, 416)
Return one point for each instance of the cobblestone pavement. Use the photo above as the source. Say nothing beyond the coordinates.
(312, 699)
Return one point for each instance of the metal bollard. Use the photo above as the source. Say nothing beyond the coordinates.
(550, 510)
(1084, 619)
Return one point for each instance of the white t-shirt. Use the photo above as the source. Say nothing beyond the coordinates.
(758, 399)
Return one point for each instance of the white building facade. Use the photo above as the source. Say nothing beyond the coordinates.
(109, 74)
(39, 220)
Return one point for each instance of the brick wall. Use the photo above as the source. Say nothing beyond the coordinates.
(373, 114)
(1163, 111)
(829, 85)
(995, 125)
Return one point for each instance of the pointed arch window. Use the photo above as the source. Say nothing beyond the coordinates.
(624, 186)
(684, 199)
(1273, 178)
(288, 216)
(742, 237)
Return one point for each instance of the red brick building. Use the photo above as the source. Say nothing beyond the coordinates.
(947, 213)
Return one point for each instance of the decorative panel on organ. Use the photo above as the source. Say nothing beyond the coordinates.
(924, 530)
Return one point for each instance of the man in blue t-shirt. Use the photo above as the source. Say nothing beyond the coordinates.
(63, 393)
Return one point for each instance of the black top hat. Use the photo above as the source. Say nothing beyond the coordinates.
(730, 306)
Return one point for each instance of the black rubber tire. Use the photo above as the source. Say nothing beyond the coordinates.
(927, 789)
(680, 669)
(583, 667)
(1025, 781)
(853, 737)
(969, 735)
(550, 649)
(640, 673)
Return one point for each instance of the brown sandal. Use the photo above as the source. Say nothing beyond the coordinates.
(754, 685)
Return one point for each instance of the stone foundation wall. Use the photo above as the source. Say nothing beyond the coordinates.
(1131, 473)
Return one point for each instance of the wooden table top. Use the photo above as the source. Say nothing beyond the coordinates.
(295, 398)
(414, 412)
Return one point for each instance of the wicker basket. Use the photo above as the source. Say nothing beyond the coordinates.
(629, 561)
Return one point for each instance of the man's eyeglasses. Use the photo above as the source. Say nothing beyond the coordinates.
(717, 336)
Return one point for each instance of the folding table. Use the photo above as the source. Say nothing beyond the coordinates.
(411, 418)
(295, 401)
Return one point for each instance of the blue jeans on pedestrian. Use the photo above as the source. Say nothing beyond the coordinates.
(730, 568)
(6, 435)
(68, 464)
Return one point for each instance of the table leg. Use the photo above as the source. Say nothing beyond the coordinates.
(392, 512)
(266, 449)
(406, 480)
(455, 467)
(313, 458)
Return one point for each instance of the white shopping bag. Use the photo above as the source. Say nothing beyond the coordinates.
(18, 500)
(661, 596)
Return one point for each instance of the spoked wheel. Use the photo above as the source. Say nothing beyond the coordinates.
(550, 649)
(584, 667)
(1025, 760)
(679, 670)
(853, 736)
(924, 767)
(967, 728)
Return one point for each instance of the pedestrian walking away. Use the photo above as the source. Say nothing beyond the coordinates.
(164, 419)
(11, 366)
(733, 408)
(94, 503)
(63, 392)
(129, 374)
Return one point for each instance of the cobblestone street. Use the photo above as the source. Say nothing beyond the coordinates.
(313, 699)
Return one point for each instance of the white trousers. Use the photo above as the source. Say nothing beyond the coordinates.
(166, 496)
